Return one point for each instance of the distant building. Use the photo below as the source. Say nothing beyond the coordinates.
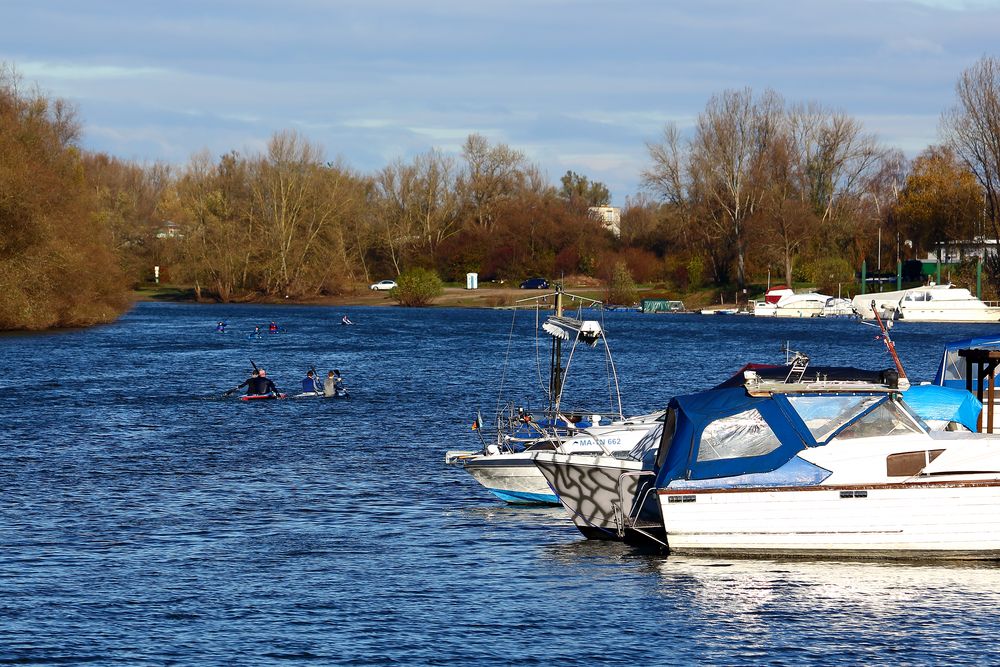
(169, 230)
(609, 216)
(954, 252)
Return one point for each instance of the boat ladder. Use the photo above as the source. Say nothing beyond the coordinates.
(800, 362)
(631, 521)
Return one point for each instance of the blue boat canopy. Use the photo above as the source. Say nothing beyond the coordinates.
(951, 370)
(729, 433)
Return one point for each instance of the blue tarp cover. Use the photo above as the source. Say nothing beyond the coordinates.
(930, 401)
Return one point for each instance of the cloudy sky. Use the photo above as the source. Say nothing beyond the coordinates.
(574, 84)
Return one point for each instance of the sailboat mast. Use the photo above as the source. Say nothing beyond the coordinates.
(555, 365)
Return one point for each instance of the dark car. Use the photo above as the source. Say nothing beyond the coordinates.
(535, 283)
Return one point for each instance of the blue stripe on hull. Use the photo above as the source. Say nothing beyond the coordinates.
(525, 498)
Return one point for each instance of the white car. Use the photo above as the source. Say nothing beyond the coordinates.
(384, 285)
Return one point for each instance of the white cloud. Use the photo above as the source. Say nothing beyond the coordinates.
(80, 72)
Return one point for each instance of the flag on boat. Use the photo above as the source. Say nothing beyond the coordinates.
(478, 422)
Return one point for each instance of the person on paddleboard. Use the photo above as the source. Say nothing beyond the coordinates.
(310, 384)
(260, 385)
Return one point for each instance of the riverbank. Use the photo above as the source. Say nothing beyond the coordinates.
(452, 297)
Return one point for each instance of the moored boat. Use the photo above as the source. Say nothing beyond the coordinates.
(824, 469)
(929, 303)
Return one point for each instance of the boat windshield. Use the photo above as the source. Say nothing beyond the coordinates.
(742, 435)
(824, 415)
(647, 444)
(886, 419)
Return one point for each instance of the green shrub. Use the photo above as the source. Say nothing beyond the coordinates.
(828, 273)
(417, 287)
(621, 287)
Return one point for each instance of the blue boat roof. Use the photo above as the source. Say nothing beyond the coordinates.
(726, 432)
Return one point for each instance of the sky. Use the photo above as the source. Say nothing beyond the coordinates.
(577, 85)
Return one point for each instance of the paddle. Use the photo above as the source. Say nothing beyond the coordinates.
(241, 384)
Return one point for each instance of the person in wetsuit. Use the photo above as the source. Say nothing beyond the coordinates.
(259, 384)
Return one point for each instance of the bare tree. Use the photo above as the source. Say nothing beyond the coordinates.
(972, 129)
(733, 136)
(492, 175)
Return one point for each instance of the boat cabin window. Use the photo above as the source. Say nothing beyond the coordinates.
(823, 415)
(917, 296)
(742, 435)
(887, 419)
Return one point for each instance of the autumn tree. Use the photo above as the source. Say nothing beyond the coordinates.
(128, 199)
(941, 200)
(717, 174)
(219, 242)
(57, 266)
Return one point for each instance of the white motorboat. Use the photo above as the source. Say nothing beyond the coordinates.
(809, 304)
(930, 303)
(613, 496)
(824, 468)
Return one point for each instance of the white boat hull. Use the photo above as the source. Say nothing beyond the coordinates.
(513, 478)
(916, 520)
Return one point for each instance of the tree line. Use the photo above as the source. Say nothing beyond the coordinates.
(757, 186)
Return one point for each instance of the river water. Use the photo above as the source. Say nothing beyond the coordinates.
(146, 520)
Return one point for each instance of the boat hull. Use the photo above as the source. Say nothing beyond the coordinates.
(916, 520)
(599, 492)
(513, 478)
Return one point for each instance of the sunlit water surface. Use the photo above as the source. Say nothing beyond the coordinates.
(145, 520)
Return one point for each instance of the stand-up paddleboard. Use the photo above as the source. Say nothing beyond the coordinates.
(261, 397)
(309, 394)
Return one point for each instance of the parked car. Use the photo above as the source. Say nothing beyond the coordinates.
(384, 285)
(535, 283)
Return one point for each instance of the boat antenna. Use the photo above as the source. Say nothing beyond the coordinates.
(904, 383)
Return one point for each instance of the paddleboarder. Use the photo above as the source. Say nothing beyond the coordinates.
(310, 384)
(260, 385)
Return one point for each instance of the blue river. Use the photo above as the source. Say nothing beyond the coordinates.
(145, 519)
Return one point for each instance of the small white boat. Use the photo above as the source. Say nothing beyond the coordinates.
(930, 303)
(789, 304)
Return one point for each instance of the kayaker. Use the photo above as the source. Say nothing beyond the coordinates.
(310, 384)
(273, 328)
(221, 327)
(330, 385)
(345, 320)
(338, 382)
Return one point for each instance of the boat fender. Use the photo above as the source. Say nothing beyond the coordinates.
(492, 450)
